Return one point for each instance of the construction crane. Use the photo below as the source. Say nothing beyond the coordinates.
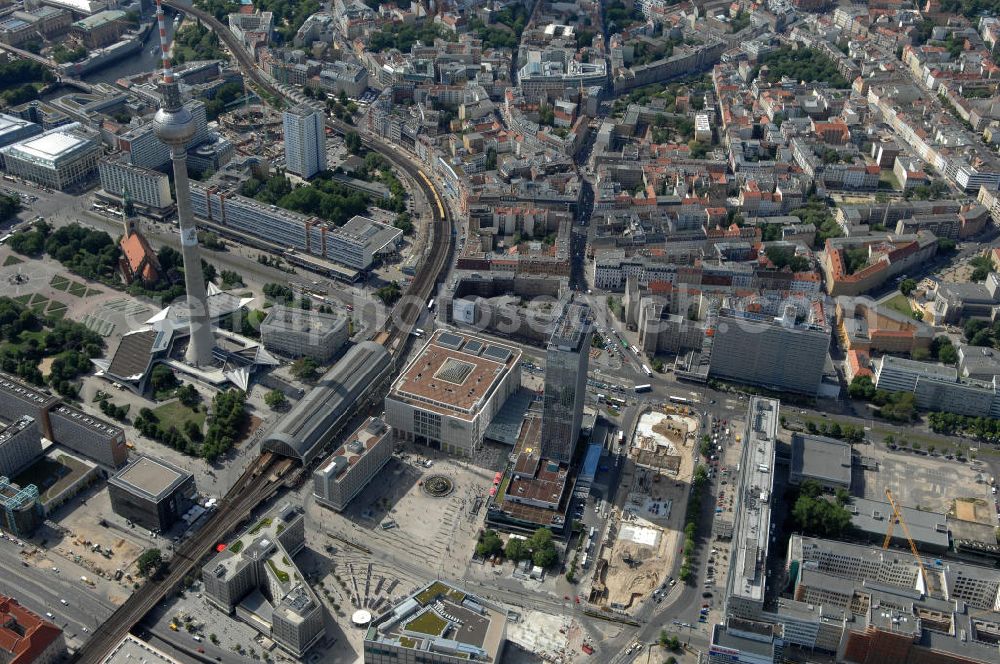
(898, 516)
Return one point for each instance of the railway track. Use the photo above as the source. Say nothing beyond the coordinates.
(264, 476)
(408, 310)
(255, 486)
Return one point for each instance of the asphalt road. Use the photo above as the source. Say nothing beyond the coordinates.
(41, 589)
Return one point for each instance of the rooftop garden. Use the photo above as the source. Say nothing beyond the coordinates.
(428, 622)
(263, 523)
(236, 546)
(278, 572)
(431, 593)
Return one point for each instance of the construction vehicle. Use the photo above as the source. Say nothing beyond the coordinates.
(898, 516)
(173, 626)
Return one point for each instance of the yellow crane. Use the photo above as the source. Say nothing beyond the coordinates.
(898, 516)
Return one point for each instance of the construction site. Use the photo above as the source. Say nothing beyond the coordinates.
(644, 527)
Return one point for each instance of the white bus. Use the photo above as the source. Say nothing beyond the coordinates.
(430, 305)
(643, 388)
(646, 370)
(680, 400)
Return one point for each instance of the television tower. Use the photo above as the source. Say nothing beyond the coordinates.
(175, 127)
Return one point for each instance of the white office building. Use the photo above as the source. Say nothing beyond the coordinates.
(451, 391)
(58, 159)
(144, 148)
(305, 141)
(360, 241)
(145, 186)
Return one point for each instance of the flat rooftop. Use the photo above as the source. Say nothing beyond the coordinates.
(723, 638)
(132, 650)
(928, 529)
(572, 329)
(824, 459)
(455, 374)
(369, 233)
(753, 510)
(50, 146)
(441, 618)
(295, 319)
(357, 445)
(151, 477)
(535, 479)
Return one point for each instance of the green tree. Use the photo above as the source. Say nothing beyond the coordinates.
(489, 544)
(189, 396)
(814, 514)
(193, 431)
(948, 354)
(516, 549)
(228, 419)
(353, 142)
(389, 294)
(305, 368)
(543, 549)
(275, 399)
(162, 378)
(861, 387)
(907, 286)
(149, 562)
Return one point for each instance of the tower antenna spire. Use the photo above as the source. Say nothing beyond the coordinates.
(175, 126)
(168, 72)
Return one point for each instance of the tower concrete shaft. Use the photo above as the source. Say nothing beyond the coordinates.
(175, 127)
(199, 351)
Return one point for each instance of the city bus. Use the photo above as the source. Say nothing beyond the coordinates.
(643, 388)
(430, 305)
(646, 370)
(680, 400)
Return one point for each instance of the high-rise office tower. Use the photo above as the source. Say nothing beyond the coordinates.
(566, 360)
(175, 127)
(305, 141)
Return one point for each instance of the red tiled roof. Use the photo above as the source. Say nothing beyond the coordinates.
(24, 634)
(140, 256)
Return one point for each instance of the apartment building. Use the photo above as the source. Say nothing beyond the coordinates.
(938, 387)
(305, 140)
(96, 439)
(20, 444)
(349, 469)
(144, 186)
(747, 576)
(776, 353)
